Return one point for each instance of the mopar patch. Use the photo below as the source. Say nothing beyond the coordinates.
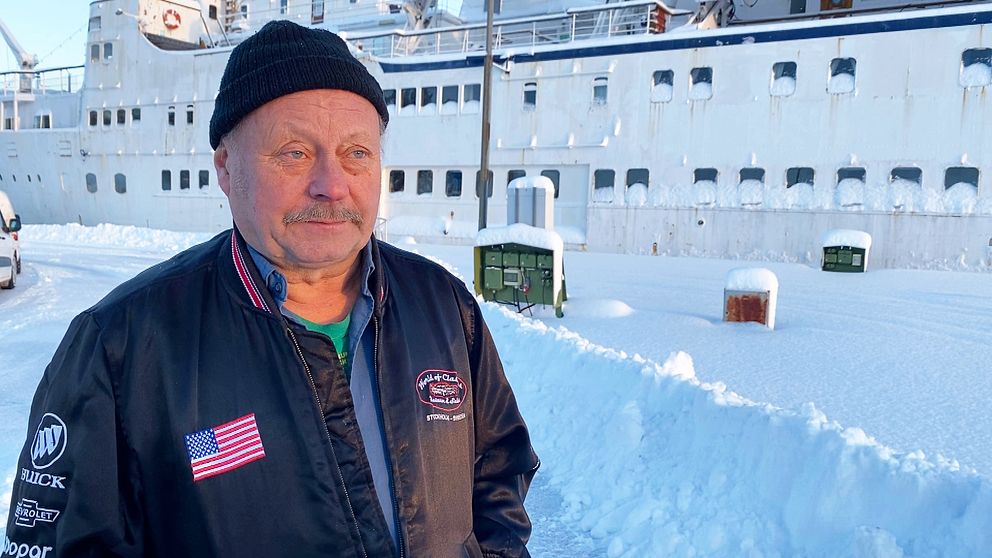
(441, 389)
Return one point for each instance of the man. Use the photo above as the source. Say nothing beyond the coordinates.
(292, 387)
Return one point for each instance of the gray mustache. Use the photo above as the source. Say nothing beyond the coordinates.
(323, 212)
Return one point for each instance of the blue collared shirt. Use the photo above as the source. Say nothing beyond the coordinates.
(361, 347)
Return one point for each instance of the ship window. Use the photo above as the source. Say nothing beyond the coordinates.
(513, 175)
(976, 67)
(8, 123)
(43, 121)
(212, 12)
(106, 118)
(449, 99)
(166, 180)
(471, 94)
(172, 116)
(783, 79)
(530, 95)
(93, 118)
(425, 182)
(842, 72)
(704, 175)
(108, 52)
(599, 90)
(798, 175)
(29, 178)
(389, 96)
(797, 7)
(664, 84)
(555, 177)
(911, 174)
(408, 98)
(204, 179)
(135, 115)
(637, 176)
(283, 4)
(120, 183)
(603, 181)
(397, 180)
(95, 52)
(121, 116)
(94, 24)
(428, 100)
(453, 184)
(959, 175)
(851, 173)
(38, 176)
(753, 173)
(184, 180)
(701, 83)
(489, 183)
(189, 114)
(91, 183)
(244, 10)
(317, 11)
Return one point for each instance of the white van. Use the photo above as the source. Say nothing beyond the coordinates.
(10, 249)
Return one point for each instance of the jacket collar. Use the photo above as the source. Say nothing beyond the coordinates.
(246, 281)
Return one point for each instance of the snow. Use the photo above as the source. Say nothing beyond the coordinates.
(841, 83)
(961, 198)
(976, 75)
(783, 86)
(648, 451)
(470, 107)
(450, 107)
(636, 195)
(850, 194)
(602, 195)
(661, 93)
(701, 91)
(751, 279)
(541, 182)
(705, 193)
(847, 237)
(520, 233)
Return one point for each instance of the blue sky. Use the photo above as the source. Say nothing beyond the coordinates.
(55, 30)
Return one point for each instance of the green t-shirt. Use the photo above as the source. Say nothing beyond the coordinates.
(338, 332)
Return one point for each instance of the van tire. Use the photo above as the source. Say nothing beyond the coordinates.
(13, 280)
(18, 258)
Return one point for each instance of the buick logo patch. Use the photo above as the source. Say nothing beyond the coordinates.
(49, 441)
(441, 389)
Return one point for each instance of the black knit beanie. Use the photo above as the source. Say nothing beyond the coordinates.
(284, 58)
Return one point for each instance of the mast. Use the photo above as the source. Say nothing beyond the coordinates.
(487, 87)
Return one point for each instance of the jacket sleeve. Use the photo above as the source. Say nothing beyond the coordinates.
(505, 462)
(72, 493)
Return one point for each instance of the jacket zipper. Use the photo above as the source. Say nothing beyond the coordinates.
(327, 433)
(392, 480)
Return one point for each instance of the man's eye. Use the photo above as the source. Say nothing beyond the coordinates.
(359, 154)
(296, 154)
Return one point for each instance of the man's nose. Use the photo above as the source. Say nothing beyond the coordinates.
(328, 180)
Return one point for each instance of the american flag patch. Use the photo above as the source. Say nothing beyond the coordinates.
(224, 448)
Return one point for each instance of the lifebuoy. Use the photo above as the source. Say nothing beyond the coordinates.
(171, 19)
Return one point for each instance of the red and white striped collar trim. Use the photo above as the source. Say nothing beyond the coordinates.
(239, 264)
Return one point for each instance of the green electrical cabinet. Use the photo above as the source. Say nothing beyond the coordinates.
(848, 259)
(520, 275)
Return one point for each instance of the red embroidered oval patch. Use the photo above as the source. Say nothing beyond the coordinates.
(441, 389)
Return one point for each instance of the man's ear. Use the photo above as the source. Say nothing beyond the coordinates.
(220, 164)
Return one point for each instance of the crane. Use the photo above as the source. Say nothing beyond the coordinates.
(25, 60)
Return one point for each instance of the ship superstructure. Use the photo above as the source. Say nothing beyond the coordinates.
(710, 128)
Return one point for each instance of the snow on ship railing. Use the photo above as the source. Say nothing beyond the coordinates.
(859, 11)
(42, 82)
(622, 19)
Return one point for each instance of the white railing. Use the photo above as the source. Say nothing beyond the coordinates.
(625, 19)
(42, 82)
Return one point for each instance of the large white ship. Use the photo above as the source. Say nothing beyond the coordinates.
(745, 128)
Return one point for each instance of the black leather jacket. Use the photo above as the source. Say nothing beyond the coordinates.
(193, 344)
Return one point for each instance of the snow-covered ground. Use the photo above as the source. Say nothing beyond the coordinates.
(648, 451)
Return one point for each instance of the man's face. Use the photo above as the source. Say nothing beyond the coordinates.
(302, 175)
